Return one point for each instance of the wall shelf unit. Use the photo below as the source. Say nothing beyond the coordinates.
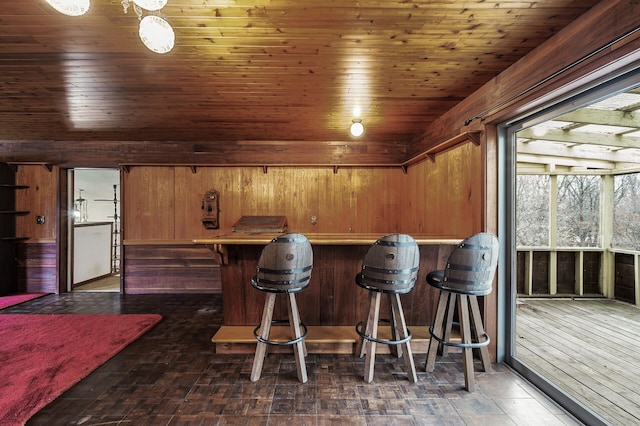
(8, 236)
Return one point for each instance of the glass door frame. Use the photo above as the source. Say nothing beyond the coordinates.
(618, 82)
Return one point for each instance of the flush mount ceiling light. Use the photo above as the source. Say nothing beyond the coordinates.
(155, 31)
(70, 7)
(357, 129)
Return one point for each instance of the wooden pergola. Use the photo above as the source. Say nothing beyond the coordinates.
(600, 139)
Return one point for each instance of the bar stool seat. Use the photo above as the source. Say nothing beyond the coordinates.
(390, 267)
(469, 273)
(284, 267)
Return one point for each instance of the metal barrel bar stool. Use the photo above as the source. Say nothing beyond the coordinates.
(468, 274)
(284, 267)
(390, 267)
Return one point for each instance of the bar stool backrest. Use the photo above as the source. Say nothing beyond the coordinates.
(285, 264)
(472, 265)
(391, 265)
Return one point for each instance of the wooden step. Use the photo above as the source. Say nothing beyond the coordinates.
(320, 339)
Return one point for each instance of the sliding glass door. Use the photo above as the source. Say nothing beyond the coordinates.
(570, 225)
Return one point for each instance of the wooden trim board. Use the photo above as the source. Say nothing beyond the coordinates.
(319, 340)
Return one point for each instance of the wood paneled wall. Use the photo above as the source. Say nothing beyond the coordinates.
(442, 198)
(37, 257)
(163, 209)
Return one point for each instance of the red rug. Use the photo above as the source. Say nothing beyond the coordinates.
(41, 356)
(16, 299)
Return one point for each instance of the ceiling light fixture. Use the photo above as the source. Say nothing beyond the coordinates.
(70, 7)
(150, 4)
(357, 129)
(155, 31)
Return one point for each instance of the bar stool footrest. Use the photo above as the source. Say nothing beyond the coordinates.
(303, 326)
(381, 341)
(482, 341)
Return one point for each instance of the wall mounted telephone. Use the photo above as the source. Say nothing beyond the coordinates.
(211, 210)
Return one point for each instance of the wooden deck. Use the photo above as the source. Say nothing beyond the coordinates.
(589, 348)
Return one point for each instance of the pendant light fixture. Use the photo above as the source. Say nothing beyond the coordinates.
(70, 7)
(155, 31)
(151, 5)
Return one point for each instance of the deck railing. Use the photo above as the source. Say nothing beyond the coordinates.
(579, 272)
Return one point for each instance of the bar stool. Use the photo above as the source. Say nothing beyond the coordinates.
(469, 273)
(390, 267)
(284, 266)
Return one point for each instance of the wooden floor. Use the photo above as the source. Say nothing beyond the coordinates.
(108, 284)
(589, 348)
(172, 376)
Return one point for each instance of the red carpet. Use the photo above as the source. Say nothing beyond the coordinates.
(15, 299)
(41, 356)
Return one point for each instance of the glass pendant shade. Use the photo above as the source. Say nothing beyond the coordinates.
(151, 4)
(357, 129)
(156, 33)
(70, 7)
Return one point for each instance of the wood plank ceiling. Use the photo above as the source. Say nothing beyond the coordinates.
(252, 80)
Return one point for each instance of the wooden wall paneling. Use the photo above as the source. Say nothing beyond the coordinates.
(412, 198)
(253, 298)
(324, 281)
(228, 180)
(233, 289)
(348, 297)
(188, 194)
(37, 267)
(175, 268)
(41, 198)
(313, 197)
(37, 257)
(326, 220)
(352, 187)
(452, 192)
(149, 197)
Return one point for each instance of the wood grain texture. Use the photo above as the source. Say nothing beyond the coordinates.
(333, 297)
(157, 268)
(37, 267)
(274, 81)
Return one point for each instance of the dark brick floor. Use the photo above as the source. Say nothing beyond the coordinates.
(171, 376)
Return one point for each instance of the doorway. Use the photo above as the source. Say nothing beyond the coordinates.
(94, 235)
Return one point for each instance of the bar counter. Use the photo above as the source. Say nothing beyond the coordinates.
(332, 298)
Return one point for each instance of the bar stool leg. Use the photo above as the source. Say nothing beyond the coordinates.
(396, 350)
(451, 309)
(361, 347)
(465, 334)
(299, 348)
(438, 323)
(265, 328)
(374, 317)
(400, 325)
(479, 332)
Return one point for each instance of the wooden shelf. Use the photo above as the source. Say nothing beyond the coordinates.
(14, 212)
(13, 238)
(473, 137)
(5, 185)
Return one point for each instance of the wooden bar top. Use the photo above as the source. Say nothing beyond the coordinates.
(249, 238)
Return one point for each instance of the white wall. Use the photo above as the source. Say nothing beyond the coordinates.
(97, 184)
